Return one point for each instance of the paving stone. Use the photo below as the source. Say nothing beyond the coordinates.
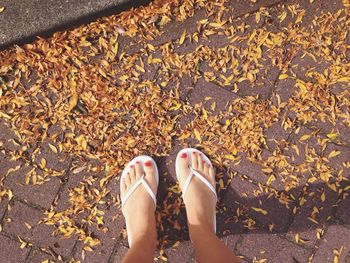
(182, 253)
(56, 161)
(3, 207)
(328, 128)
(11, 252)
(120, 254)
(42, 193)
(343, 211)
(249, 168)
(24, 221)
(261, 205)
(238, 8)
(276, 136)
(172, 31)
(170, 213)
(108, 234)
(283, 90)
(8, 139)
(336, 238)
(231, 241)
(313, 215)
(218, 95)
(271, 247)
(38, 256)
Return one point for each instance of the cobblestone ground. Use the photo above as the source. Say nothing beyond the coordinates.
(260, 86)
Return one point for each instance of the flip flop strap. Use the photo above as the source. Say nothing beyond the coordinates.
(139, 182)
(200, 177)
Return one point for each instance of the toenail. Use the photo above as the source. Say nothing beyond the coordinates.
(148, 163)
(203, 162)
(132, 166)
(137, 162)
(183, 155)
(194, 152)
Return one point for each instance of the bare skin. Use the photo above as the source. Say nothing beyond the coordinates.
(200, 207)
(139, 213)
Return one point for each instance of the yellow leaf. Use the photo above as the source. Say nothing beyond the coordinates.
(283, 76)
(53, 148)
(332, 136)
(81, 141)
(323, 197)
(2, 9)
(333, 153)
(260, 210)
(282, 16)
(43, 163)
(221, 184)
(123, 77)
(267, 170)
(230, 157)
(305, 137)
(73, 101)
(28, 225)
(183, 37)
(164, 84)
(87, 248)
(297, 237)
(257, 17)
(344, 79)
(270, 179)
(197, 135)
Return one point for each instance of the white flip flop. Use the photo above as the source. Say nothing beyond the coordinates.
(142, 159)
(193, 173)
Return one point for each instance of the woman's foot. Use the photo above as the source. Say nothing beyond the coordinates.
(139, 208)
(199, 199)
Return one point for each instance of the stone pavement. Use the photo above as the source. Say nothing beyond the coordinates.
(260, 86)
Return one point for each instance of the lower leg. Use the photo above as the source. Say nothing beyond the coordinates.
(200, 207)
(139, 214)
(208, 247)
(143, 246)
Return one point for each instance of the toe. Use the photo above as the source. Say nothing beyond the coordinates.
(127, 180)
(132, 173)
(184, 169)
(194, 161)
(200, 162)
(138, 170)
(149, 175)
(205, 168)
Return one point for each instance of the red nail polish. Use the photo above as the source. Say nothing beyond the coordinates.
(148, 163)
(132, 166)
(183, 155)
(137, 162)
(194, 153)
(203, 162)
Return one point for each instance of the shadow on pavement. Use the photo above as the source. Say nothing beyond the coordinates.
(301, 212)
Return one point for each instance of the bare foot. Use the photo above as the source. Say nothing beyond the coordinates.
(139, 208)
(199, 199)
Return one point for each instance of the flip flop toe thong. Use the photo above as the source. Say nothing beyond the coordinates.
(193, 173)
(141, 182)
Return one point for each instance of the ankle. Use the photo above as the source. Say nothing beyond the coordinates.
(200, 231)
(146, 240)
